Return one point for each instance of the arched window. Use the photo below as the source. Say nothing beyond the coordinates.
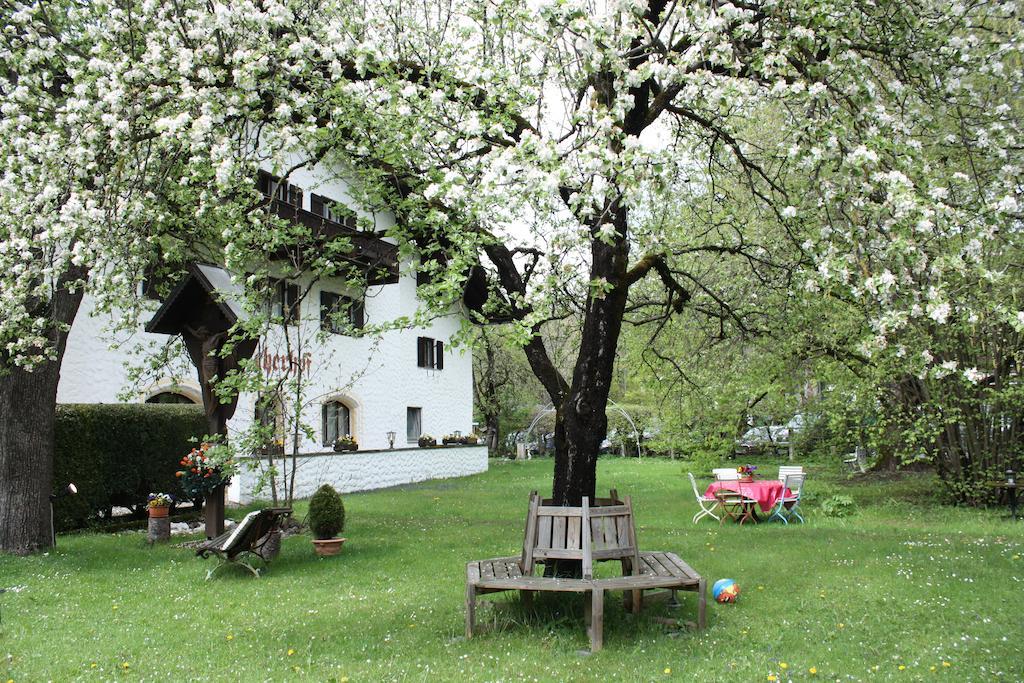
(337, 421)
(169, 397)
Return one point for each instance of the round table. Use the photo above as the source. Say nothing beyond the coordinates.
(767, 492)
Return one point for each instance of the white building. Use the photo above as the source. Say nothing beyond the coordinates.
(400, 384)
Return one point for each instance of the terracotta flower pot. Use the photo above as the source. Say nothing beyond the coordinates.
(159, 511)
(325, 547)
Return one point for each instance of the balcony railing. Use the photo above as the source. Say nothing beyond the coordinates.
(377, 257)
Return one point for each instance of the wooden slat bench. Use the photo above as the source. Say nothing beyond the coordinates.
(244, 541)
(589, 534)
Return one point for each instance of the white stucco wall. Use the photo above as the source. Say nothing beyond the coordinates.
(363, 471)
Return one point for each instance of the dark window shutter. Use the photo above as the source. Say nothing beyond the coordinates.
(326, 308)
(421, 356)
(439, 355)
(291, 302)
(357, 314)
(316, 205)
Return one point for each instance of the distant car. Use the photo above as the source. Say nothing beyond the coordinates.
(759, 439)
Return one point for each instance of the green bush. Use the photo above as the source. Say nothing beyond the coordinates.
(326, 513)
(117, 454)
(837, 506)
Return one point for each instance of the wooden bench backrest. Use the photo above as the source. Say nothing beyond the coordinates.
(585, 533)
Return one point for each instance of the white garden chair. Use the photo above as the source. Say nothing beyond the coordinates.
(725, 473)
(703, 502)
(785, 470)
(787, 506)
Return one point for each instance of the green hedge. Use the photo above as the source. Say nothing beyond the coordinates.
(116, 454)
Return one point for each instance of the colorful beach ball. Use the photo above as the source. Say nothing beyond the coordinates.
(725, 590)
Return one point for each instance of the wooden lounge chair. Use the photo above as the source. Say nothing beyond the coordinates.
(589, 534)
(244, 541)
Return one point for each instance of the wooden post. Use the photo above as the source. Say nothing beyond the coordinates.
(213, 512)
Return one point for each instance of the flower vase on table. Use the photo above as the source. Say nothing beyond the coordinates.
(746, 472)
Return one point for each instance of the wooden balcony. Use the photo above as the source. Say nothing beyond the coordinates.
(369, 252)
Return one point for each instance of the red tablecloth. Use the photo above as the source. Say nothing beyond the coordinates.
(765, 491)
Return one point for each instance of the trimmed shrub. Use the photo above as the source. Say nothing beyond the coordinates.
(117, 454)
(326, 513)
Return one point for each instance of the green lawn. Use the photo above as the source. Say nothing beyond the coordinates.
(904, 589)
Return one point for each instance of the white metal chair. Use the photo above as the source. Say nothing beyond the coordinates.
(703, 502)
(725, 473)
(789, 469)
(787, 506)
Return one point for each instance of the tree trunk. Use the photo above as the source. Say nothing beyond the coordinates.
(492, 434)
(27, 407)
(581, 421)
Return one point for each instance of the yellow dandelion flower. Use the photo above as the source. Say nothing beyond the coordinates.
(932, 668)
(668, 670)
(760, 588)
(114, 607)
(412, 625)
(874, 668)
(946, 664)
(230, 637)
(771, 677)
(343, 679)
(813, 671)
(125, 665)
(783, 666)
(290, 652)
(842, 625)
(901, 667)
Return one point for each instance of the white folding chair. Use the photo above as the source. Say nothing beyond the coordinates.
(789, 469)
(703, 502)
(725, 473)
(794, 483)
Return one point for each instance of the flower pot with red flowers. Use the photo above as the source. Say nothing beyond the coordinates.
(206, 472)
(326, 521)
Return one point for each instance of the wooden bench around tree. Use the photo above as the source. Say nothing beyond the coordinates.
(247, 540)
(603, 532)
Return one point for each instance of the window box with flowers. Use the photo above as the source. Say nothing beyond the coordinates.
(345, 443)
(426, 441)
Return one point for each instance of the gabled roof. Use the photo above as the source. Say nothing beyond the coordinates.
(206, 295)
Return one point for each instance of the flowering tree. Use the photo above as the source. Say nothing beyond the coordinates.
(525, 148)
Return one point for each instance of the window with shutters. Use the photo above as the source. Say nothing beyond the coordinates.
(281, 190)
(413, 424)
(284, 303)
(332, 210)
(340, 314)
(429, 353)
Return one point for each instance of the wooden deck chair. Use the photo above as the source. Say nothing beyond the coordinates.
(707, 505)
(787, 506)
(244, 542)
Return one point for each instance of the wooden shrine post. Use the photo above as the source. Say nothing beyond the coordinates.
(202, 310)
